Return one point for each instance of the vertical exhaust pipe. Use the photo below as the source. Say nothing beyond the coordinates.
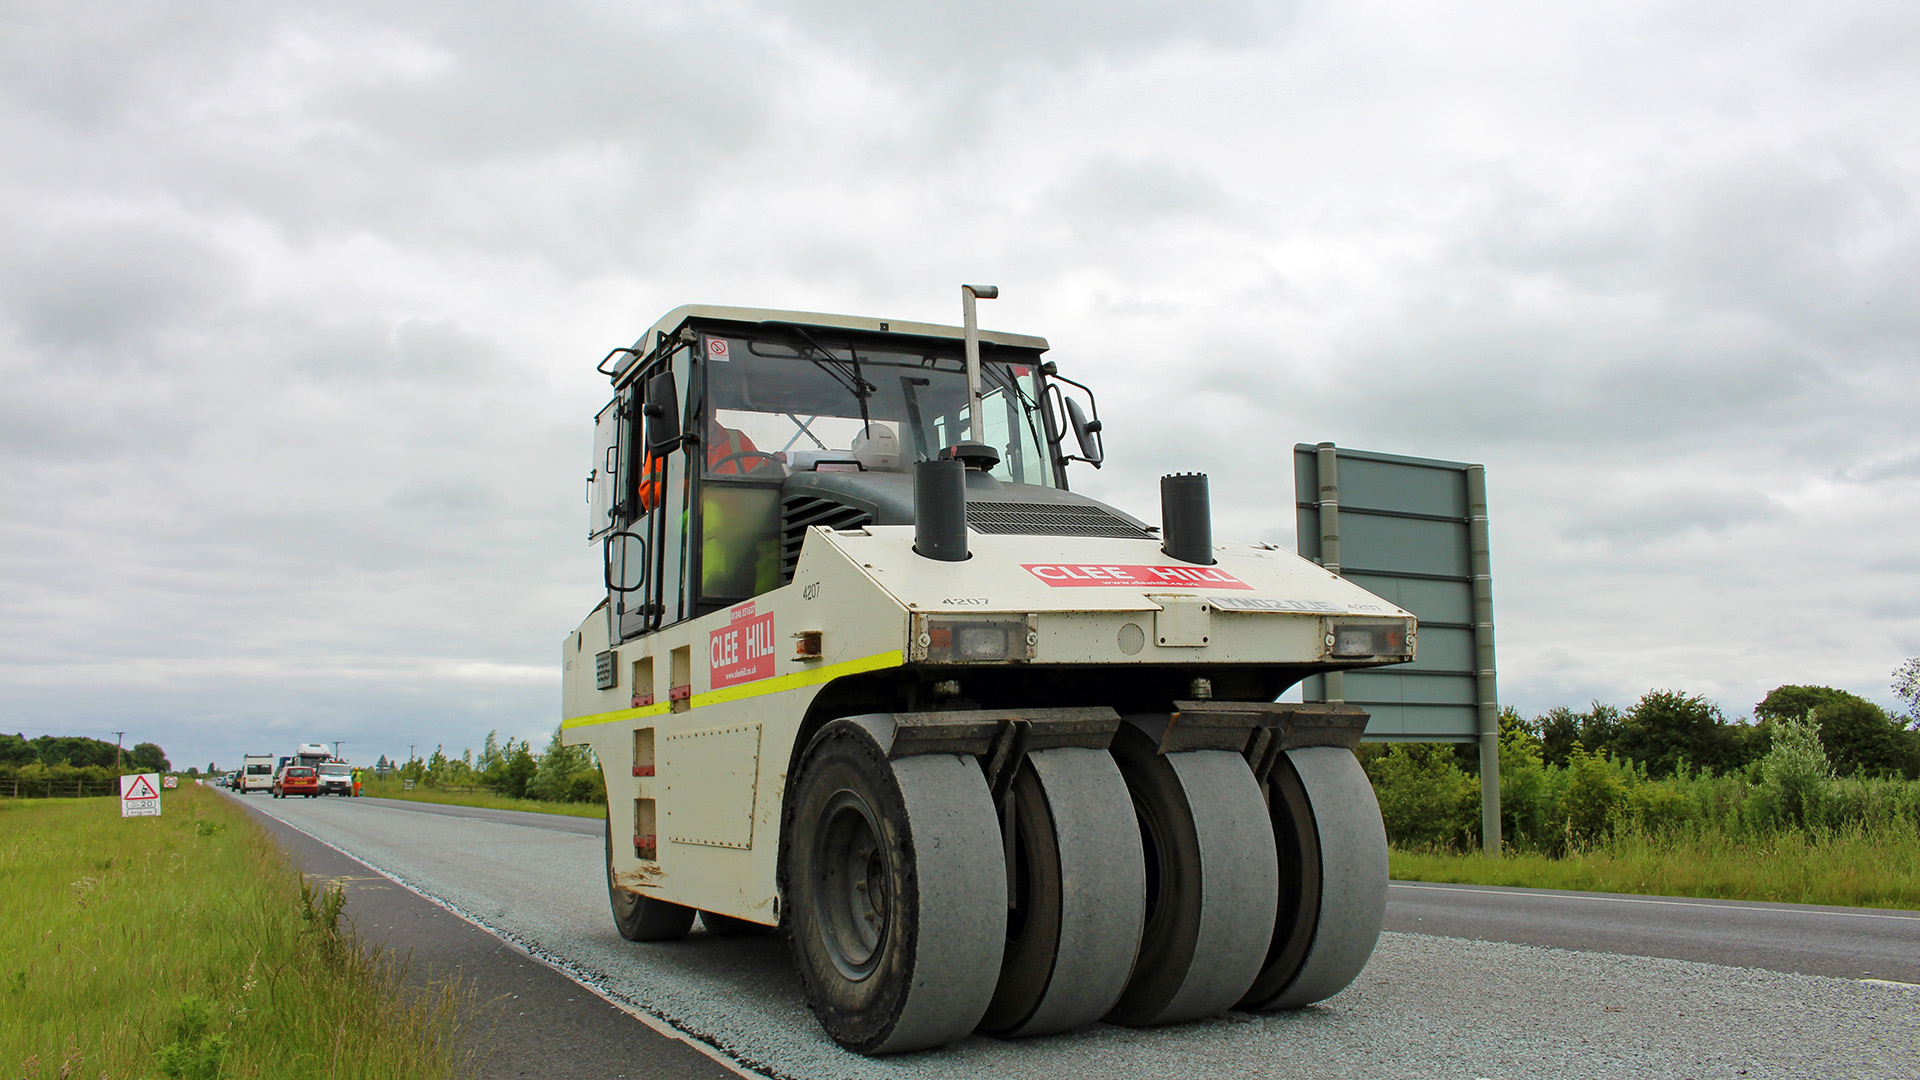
(1186, 518)
(940, 510)
(970, 330)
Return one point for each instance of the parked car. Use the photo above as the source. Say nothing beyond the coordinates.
(296, 780)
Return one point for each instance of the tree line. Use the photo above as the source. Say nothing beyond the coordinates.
(561, 773)
(68, 759)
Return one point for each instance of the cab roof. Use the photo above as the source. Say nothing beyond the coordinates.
(678, 317)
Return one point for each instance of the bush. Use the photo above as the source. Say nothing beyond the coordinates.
(1596, 796)
(1424, 797)
(1527, 790)
(1794, 777)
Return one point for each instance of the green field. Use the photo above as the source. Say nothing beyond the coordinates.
(392, 788)
(185, 946)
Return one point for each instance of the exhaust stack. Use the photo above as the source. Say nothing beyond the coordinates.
(970, 328)
(940, 510)
(1186, 518)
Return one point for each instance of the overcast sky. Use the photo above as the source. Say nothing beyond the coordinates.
(299, 308)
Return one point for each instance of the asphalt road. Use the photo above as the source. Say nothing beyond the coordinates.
(1467, 982)
(1846, 943)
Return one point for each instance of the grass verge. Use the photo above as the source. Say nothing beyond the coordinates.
(1853, 868)
(391, 788)
(184, 946)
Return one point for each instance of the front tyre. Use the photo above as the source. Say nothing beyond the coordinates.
(643, 918)
(896, 881)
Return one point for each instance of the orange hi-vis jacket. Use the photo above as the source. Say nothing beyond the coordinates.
(653, 469)
(730, 442)
(653, 481)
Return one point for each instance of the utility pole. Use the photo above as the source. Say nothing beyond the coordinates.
(410, 747)
(336, 749)
(116, 749)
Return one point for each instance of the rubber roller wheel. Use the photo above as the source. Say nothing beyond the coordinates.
(1212, 881)
(897, 889)
(1079, 895)
(1333, 878)
(643, 918)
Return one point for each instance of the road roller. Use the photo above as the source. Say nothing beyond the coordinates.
(995, 757)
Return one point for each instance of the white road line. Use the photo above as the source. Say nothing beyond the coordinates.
(1667, 903)
(657, 1023)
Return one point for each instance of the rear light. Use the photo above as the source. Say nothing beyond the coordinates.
(1369, 639)
(949, 639)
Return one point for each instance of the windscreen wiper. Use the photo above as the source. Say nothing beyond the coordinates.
(846, 373)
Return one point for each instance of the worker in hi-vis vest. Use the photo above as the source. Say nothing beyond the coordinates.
(729, 453)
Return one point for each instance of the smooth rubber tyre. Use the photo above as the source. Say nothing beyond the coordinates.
(896, 890)
(1212, 879)
(643, 918)
(1333, 855)
(1080, 896)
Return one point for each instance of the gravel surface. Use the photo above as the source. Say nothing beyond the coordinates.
(1424, 1007)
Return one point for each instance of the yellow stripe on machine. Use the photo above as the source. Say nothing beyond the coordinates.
(795, 681)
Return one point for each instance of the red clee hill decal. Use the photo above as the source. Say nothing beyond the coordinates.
(742, 651)
(1089, 575)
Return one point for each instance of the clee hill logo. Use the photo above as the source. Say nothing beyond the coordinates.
(741, 651)
(1090, 575)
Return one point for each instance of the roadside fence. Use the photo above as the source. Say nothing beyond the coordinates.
(15, 788)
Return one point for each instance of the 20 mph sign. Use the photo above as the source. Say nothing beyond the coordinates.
(140, 795)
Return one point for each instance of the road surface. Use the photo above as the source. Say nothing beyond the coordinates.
(1440, 998)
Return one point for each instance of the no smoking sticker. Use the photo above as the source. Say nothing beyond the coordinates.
(717, 349)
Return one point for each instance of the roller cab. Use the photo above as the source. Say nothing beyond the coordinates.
(1002, 758)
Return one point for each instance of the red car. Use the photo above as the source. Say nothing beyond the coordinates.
(297, 780)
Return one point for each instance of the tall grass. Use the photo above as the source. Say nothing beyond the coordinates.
(184, 946)
(393, 788)
(1783, 828)
(1850, 868)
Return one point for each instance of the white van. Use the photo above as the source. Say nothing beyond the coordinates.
(256, 774)
(336, 778)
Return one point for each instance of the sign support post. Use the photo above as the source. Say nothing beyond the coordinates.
(1487, 699)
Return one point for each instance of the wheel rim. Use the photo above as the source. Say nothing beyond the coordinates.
(851, 887)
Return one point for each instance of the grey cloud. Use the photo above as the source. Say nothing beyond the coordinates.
(1818, 244)
(1668, 514)
(1878, 469)
(949, 35)
(93, 291)
(1115, 196)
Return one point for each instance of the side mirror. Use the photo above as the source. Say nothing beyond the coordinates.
(625, 555)
(1086, 432)
(662, 410)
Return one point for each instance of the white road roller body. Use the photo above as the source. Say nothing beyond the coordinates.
(998, 757)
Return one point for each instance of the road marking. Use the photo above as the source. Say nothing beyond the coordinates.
(659, 1024)
(1891, 982)
(1668, 903)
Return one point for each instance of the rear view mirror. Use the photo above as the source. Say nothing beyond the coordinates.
(1086, 432)
(662, 410)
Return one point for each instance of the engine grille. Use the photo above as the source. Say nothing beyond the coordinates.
(801, 512)
(1050, 519)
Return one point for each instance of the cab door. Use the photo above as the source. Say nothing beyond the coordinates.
(646, 555)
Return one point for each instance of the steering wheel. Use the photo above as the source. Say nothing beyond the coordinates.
(739, 470)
